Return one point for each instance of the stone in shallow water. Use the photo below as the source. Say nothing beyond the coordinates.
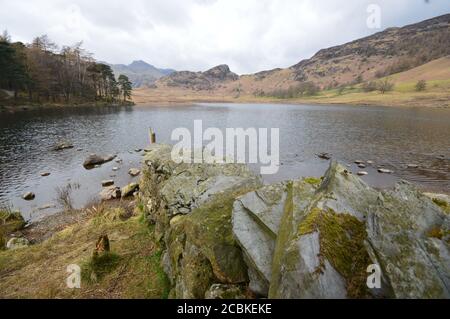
(28, 196)
(134, 172)
(108, 182)
(93, 159)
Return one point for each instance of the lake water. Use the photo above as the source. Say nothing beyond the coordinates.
(393, 137)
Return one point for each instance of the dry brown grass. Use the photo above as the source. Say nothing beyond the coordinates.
(39, 271)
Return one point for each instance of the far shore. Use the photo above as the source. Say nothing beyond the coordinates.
(152, 97)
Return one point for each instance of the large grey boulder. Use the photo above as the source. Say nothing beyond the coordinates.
(191, 207)
(317, 239)
(256, 220)
(406, 230)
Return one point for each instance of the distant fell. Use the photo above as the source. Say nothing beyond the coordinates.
(141, 73)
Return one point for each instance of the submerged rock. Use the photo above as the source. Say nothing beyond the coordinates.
(62, 146)
(95, 159)
(384, 171)
(45, 174)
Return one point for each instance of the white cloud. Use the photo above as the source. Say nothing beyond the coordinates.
(249, 35)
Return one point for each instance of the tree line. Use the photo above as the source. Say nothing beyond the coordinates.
(42, 72)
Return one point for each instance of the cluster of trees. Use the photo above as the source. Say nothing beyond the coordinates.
(41, 72)
(302, 89)
(384, 85)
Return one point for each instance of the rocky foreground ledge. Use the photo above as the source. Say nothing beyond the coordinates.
(226, 235)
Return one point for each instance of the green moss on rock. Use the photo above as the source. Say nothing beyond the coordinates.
(342, 244)
(442, 204)
(313, 180)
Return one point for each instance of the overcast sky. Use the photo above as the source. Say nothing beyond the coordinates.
(248, 35)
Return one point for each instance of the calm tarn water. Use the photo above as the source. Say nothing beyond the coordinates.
(392, 137)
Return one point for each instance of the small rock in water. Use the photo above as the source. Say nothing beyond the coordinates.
(95, 159)
(29, 196)
(385, 171)
(138, 150)
(62, 146)
(362, 173)
(16, 243)
(108, 182)
(115, 168)
(47, 206)
(361, 165)
(119, 160)
(369, 162)
(359, 162)
(412, 166)
(325, 156)
(44, 174)
(134, 172)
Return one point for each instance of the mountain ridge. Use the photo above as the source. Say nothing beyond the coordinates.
(390, 51)
(141, 73)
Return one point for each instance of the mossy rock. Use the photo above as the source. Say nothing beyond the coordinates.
(341, 238)
(10, 222)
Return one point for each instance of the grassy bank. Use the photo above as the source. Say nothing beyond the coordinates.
(133, 271)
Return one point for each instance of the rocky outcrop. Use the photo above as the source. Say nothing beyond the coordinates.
(191, 205)
(227, 235)
(322, 242)
(207, 80)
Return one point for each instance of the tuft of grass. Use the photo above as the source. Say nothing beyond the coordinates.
(99, 266)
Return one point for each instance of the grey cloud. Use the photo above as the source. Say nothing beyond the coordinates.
(249, 35)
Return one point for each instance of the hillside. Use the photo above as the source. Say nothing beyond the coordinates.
(140, 73)
(390, 51)
(208, 80)
(411, 53)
